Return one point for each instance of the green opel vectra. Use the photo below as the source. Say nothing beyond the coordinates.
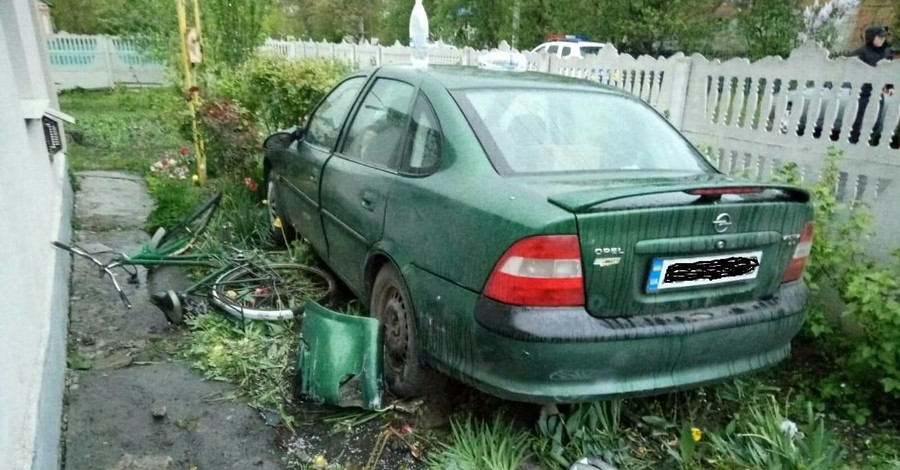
(542, 238)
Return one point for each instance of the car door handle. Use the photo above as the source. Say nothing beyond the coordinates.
(314, 174)
(368, 200)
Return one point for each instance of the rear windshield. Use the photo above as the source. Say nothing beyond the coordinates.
(564, 131)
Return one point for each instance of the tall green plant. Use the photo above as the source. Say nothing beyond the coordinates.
(279, 91)
(233, 29)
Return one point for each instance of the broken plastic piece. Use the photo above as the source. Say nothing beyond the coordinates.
(340, 359)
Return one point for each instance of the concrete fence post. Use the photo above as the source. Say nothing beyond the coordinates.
(105, 50)
(678, 91)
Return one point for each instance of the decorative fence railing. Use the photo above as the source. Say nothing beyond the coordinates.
(749, 118)
(78, 61)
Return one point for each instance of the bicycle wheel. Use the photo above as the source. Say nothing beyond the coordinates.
(277, 291)
(177, 240)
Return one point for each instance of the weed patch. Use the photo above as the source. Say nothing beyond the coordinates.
(257, 356)
(478, 445)
(121, 129)
(853, 320)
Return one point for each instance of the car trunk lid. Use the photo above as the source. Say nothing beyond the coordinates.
(682, 245)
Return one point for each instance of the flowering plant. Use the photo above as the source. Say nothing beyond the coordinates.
(821, 21)
(173, 166)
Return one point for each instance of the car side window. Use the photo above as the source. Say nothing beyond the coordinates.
(566, 51)
(425, 145)
(552, 49)
(325, 124)
(379, 128)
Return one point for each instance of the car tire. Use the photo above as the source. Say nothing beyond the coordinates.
(404, 372)
(280, 237)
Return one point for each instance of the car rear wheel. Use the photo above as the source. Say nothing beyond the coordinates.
(281, 232)
(404, 371)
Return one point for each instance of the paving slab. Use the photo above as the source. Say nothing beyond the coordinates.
(109, 200)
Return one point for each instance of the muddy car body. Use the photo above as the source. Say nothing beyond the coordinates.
(516, 231)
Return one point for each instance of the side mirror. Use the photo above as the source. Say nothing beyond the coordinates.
(282, 139)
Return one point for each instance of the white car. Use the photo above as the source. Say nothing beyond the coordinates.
(569, 49)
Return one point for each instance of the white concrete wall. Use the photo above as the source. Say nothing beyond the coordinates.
(93, 62)
(35, 208)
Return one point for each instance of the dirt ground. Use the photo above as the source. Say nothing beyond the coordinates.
(132, 403)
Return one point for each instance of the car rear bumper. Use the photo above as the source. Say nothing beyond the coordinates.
(546, 355)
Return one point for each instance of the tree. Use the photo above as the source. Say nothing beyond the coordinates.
(233, 29)
(75, 16)
(770, 27)
(641, 26)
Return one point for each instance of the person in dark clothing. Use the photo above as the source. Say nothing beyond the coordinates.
(876, 47)
(875, 50)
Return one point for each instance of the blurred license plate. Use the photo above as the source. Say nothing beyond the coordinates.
(675, 273)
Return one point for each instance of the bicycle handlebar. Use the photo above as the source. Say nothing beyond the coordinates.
(104, 268)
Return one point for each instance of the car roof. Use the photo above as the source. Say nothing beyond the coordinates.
(462, 77)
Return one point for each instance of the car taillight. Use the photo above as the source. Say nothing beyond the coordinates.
(540, 271)
(801, 253)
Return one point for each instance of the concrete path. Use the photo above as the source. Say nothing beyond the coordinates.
(131, 403)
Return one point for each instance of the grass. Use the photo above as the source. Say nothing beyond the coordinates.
(122, 129)
(479, 445)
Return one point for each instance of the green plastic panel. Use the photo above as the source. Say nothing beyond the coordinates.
(340, 360)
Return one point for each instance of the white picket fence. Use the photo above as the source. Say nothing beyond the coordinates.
(749, 118)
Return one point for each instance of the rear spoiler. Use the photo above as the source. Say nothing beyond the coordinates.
(592, 199)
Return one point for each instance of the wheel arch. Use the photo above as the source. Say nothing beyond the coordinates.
(382, 253)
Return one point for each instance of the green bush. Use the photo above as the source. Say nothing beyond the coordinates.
(230, 137)
(861, 292)
(276, 90)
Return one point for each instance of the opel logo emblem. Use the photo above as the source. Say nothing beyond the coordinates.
(722, 222)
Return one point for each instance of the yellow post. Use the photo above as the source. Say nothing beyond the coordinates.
(198, 140)
(182, 36)
(197, 20)
(189, 86)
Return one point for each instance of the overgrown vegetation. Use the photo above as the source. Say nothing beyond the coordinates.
(278, 91)
(856, 310)
(121, 129)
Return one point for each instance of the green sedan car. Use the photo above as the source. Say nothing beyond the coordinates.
(542, 238)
